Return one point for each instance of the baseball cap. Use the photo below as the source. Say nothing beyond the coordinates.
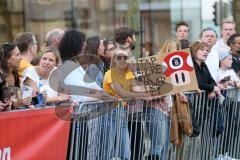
(223, 55)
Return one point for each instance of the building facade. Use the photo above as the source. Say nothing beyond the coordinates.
(155, 19)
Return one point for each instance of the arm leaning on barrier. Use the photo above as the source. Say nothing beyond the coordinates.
(127, 94)
(106, 96)
(222, 86)
(211, 95)
(24, 102)
(60, 98)
(237, 84)
(98, 95)
(183, 98)
(217, 91)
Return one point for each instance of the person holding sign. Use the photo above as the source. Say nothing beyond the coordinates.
(120, 82)
(169, 46)
(126, 36)
(177, 101)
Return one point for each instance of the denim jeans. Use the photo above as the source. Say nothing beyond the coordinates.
(156, 129)
(108, 136)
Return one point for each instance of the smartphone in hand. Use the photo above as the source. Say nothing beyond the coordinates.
(225, 79)
(27, 92)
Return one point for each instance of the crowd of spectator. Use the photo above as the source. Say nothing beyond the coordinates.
(94, 68)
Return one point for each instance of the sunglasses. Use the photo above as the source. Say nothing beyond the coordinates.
(122, 57)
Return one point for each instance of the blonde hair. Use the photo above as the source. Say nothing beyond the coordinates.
(54, 50)
(229, 22)
(170, 45)
(116, 52)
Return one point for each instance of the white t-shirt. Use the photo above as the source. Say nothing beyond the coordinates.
(224, 73)
(32, 74)
(220, 46)
(229, 72)
(76, 78)
(212, 63)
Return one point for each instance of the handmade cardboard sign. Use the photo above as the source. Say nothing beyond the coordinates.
(169, 73)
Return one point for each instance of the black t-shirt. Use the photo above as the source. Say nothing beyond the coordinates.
(204, 78)
(236, 63)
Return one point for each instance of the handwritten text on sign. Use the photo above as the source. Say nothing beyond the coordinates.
(153, 77)
(169, 73)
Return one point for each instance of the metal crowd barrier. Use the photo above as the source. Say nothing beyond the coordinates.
(213, 142)
(140, 130)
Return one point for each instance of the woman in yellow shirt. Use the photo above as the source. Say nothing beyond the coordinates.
(120, 82)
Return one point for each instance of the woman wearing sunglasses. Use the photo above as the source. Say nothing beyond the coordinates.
(120, 82)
